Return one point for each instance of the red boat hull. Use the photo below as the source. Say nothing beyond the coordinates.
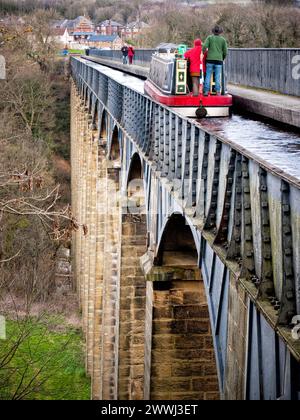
(187, 100)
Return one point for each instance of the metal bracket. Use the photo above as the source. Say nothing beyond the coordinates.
(288, 300)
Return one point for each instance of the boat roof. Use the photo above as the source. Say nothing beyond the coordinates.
(167, 46)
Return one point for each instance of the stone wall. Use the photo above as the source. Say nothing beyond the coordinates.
(132, 308)
(106, 252)
(183, 361)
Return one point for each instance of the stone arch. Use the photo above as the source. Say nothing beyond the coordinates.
(90, 103)
(82, 91)
(86, 96)
(103, 127)
(136, 197)
(180, 358)
(177, 239)
(115, 148)
(96, 114)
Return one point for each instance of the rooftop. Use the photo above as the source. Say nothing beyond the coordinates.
(83, 33)
(70, 24)
(103, 38)
(109, 22)
(137, 24)
(59, 31)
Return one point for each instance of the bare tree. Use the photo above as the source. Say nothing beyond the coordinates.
(29, 195)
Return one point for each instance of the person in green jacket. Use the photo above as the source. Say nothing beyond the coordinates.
(216, 48)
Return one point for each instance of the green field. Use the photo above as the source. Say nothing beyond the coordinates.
(47, 365)
(76, 51)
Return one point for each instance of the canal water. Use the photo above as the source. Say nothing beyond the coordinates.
(278, 146)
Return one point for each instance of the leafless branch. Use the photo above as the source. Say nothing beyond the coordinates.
(11, 258)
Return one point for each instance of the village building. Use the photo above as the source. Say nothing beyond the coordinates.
(82, 37)
(80, 24)
(75, 31)
(133, 29)
(62, 36)
(83, 24)
(112, 42)
(110, 27)
(82, 31)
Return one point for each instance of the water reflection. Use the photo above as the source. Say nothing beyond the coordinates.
(278, 146)
(125, 79)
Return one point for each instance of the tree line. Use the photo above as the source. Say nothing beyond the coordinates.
(261, 23)
(35, 215)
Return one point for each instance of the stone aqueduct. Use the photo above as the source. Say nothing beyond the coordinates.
(183, 291)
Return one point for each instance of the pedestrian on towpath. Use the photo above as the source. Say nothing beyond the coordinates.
(130, 54)
(216, 48)
(124, 50)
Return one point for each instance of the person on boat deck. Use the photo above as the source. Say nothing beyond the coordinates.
(216, 48)
(195, 58)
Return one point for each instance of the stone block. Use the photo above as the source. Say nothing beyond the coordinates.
(188, 396)
(172, 385)
(199, 327)
(163, 356)
(163, 341)
(205, 384)
(128, 231)
(209, 343)
(137, 389)
(139, 314)
(138, 342)
(140, 291)
(212, 396)
(161, 371)
(187, 369)
(189, 341)
(137, 371)
(191, 311)
(209, 370)
(176, 297)
(159, 312)
(191, 298)
(139, 304)
(161, 298)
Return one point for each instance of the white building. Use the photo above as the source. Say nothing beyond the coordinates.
(62, 36)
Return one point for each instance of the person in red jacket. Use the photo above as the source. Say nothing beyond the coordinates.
(197, 64)
(130, 54)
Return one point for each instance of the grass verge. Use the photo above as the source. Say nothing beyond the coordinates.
(42, 360)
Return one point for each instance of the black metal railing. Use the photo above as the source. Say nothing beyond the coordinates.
(271, 69)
